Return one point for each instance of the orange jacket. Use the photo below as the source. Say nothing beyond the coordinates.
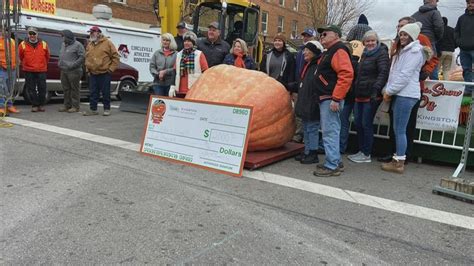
(3, 57)
(34, 59)
(430, 64)
(342, 65)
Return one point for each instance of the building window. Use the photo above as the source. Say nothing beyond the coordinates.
(281, 22)
(119, 1)
(282, 2)
(294, 29)
(296, 5)
(264, 22)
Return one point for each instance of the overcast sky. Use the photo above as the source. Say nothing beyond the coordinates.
(384, 15)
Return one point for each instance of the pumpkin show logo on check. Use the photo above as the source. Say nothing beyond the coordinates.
(158, 110)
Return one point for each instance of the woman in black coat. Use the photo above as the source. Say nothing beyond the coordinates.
(372, 75)
(307, 105)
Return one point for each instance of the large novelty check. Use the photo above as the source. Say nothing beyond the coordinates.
(209, 135)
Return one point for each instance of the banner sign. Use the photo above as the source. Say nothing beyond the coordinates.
(37, 6)
(440, 105)
(203, 134)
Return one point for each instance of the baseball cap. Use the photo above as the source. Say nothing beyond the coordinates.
(214, 25)
(308, 31)
(332, 28)
(181, 25)
(94, 29)
(32, 29)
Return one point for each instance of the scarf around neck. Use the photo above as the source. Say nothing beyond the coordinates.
(186, 66)
(239, 59)
(371, 52)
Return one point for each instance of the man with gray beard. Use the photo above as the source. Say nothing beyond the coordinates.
(102, 59)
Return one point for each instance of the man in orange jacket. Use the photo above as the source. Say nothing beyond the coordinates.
(6, 104)
(334, 78)
(34, 56)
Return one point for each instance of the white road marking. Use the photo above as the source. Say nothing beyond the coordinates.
(328, 191)
(102, 105)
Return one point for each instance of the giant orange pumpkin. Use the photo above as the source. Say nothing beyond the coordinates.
(273, 122)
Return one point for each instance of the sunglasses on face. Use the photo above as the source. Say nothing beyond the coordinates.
(31, 33)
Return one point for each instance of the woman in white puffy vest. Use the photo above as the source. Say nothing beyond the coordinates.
(190, 63)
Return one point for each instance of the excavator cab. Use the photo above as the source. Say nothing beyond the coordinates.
(236, 18)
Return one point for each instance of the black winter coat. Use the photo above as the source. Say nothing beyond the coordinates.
(307, 105)
(447, 43)
(288, 70)
(214, 52)
(372, 73)
(463, 31)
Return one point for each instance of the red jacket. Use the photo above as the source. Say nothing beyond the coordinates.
(34, 59)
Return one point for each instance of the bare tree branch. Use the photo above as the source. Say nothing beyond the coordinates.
(343, 13)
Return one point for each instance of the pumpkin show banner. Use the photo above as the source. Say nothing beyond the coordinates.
(208, 135)
(440, 105)
(37, 6)
(439, 108)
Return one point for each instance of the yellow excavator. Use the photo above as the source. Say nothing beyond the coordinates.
(237, 19)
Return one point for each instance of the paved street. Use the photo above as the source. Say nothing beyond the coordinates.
(71, 197)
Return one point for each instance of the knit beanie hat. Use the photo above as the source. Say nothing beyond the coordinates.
(315, 47)
(281, 37)
(363, 20)
(412, 29)
(190, 36)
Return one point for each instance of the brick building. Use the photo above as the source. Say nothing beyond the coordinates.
(289, 17)
(136, 13)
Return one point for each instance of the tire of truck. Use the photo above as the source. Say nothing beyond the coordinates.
(27, 97)
(125, 85)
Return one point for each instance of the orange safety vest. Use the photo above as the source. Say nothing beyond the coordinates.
(3, 57)
(34, 59)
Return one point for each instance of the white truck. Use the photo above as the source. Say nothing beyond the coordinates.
(135, 46)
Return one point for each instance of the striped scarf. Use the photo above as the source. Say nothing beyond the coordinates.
(186, 66)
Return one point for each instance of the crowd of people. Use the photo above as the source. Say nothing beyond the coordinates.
(328, 78)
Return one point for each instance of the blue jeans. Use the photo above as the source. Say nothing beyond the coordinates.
(99, 84)
(402, 107)
(5, 91)
(364, 120)
(345, 125)
(434, 75)
(161, 90)
(467, 57)
(331, 127)
(310, 136)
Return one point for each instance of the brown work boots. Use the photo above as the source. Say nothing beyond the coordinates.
(396, 166)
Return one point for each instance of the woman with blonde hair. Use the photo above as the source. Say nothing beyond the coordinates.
(162, 65)
(239, 55)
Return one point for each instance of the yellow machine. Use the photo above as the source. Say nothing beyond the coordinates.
(237, 19)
